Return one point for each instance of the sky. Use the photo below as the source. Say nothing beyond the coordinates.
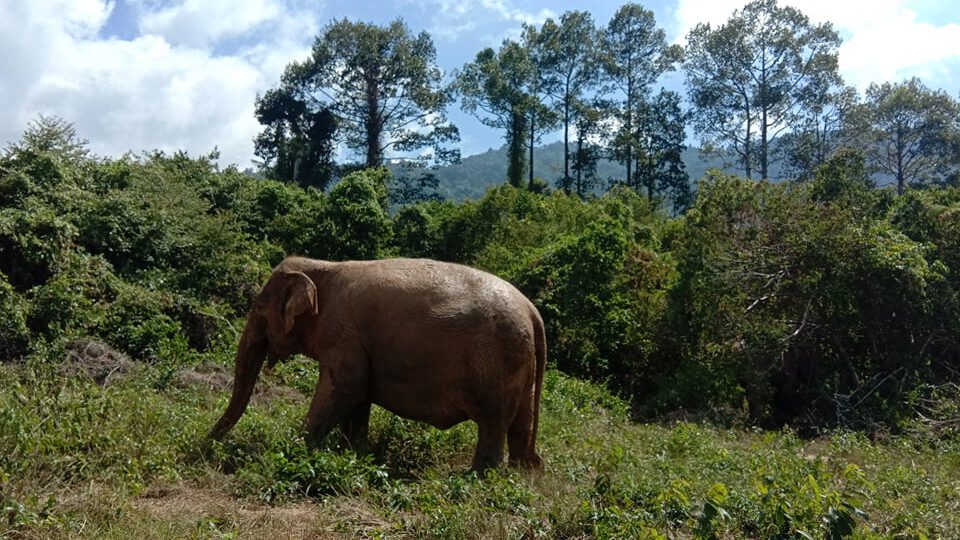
(138, 75)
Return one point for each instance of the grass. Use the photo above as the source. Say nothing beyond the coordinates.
(130, 461)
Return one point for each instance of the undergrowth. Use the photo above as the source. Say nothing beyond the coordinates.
(82, 461)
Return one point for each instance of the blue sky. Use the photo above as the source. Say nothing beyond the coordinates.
(137, 75)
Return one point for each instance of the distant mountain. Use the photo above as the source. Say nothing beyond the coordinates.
(470, 178)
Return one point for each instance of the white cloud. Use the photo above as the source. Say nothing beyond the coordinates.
(199, 23)
(164, 89)
(452, 18)
(509, 13)
(883, 40)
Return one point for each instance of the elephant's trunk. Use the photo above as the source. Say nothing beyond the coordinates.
(250, 357)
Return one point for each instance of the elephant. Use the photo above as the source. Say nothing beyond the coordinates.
(432, 341)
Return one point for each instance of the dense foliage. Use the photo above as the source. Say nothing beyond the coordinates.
(825, 306)
(819, 304)
(828, 304)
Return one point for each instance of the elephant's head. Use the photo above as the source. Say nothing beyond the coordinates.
(270, 333)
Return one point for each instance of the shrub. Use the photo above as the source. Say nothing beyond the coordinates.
(798, 309)
(74, 301)
(358, 225)
(34, 240)
(14, 334)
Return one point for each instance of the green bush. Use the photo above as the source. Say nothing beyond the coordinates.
(137, 321)
(358, 225)
(810, 304)
(417, 230)
(34, 239)
(293, 470)
(288, 216)
(797, 309)
(74, 301)
(14, 333)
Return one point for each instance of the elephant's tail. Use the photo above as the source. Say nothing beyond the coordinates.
(540, 343)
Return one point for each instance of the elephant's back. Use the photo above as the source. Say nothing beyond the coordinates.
(429, 278)
(442, 293)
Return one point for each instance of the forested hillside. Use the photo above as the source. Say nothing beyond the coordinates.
(473, 175)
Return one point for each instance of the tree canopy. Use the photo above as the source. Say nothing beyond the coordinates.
(380, 84)
(634, 55)
(911, 132)
(493, 88)
(751, 78)
(570, 69)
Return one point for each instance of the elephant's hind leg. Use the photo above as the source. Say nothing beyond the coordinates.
(491, 435)
(493, 421)
(522, 439)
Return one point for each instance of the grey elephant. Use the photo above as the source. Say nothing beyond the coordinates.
(432, 341)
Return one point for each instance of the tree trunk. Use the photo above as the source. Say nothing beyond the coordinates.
(901, 178)
(533, 127)
(763, 145)
(747, 146)
(629, 126)
(764, 105)
(580, 165)
(566, 144)
(250, 356)
(650, 186)
(516, 148)
(373, 121)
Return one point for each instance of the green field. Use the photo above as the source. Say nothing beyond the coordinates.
(130, 460)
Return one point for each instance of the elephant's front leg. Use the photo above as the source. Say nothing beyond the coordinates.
(356, 425)
(339, 392)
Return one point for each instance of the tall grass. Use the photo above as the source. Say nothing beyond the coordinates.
(130, 460)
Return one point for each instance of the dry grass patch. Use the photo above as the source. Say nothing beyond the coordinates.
(216, 510)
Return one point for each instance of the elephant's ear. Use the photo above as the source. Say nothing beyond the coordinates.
(301, 297)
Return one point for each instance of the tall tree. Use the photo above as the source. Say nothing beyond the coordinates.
(912, 132)
(822, 129)
(569, 71)
(634, 55)
(298, 143)
(659, 145)
(540, 117)
(382, 85)
(590, 126)
(493, 89)
(53, 136)
(749, 79)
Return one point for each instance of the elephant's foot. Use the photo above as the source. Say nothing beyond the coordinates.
(482, 465)
(314, 439)
(532, 462)
(353, 440)
(355, 427)
(489, 452)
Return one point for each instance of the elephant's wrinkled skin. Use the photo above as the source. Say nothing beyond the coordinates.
(427, 340)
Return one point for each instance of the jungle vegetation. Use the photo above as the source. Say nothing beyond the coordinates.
(732, 357)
